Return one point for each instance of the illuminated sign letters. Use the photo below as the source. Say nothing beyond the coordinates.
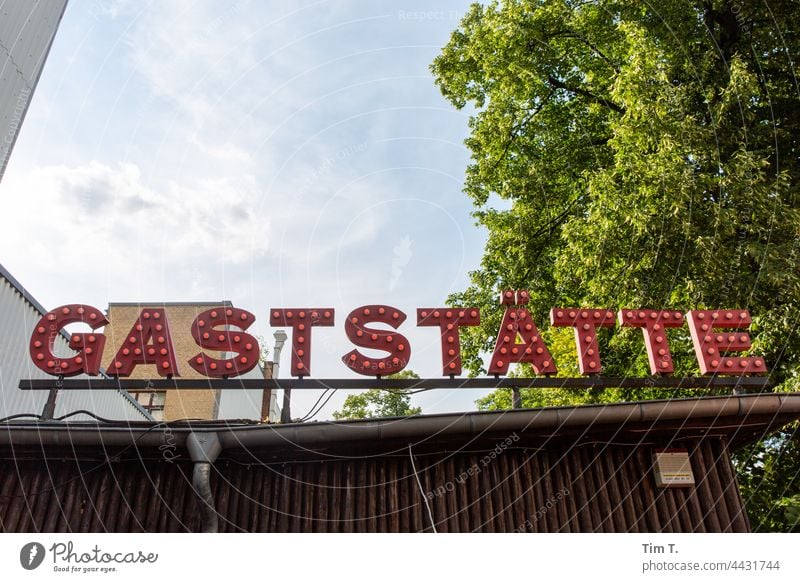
(716, 335)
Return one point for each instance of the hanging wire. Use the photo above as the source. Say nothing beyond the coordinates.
(13, 416)
(309, 416)
(421, 491)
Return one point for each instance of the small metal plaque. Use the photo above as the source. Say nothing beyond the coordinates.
(673, 468)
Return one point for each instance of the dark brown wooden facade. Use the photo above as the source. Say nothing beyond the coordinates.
(588, 477)
(592, 488)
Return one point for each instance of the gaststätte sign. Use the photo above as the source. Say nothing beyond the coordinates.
(716, 334)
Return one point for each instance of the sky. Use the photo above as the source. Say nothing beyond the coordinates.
(274, 154)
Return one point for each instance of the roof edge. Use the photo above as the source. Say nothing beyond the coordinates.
(762, 411)
(222, 303)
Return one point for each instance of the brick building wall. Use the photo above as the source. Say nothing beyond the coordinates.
(177, 404)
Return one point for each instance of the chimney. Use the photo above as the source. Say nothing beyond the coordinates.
(266, 398)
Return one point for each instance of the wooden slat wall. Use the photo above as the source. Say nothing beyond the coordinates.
(591, 488)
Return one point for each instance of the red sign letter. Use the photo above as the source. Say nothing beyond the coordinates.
(654, 324)
(585, 322)
(148, 342)
(88, 345)
(518, 340)
(379, 339)
(449, 319)
(301, 321)
(244, 345)
(709, 346)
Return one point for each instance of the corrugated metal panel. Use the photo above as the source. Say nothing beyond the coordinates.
(582, 488)
(103, 403)
(18, 317)
(27, 29)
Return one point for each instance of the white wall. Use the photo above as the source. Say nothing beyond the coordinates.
(246, 404)
(27, 29)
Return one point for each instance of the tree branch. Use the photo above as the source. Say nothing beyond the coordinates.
(572, 34)
(516, 129)
(558, 84)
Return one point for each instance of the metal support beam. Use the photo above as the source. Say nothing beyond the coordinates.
(286, 408)
(49, 410)
(516, 398)
(597, 382)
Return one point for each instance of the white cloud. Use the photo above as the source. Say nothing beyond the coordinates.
(227, 151)
(274, 154)
(109, 217)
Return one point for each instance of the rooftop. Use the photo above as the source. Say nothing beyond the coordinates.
(741, 419)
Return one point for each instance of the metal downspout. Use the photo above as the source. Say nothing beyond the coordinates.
(286, 410)
(204, 448)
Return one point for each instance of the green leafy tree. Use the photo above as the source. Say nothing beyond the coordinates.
(768, 479)
(626, 154)
(380, 402)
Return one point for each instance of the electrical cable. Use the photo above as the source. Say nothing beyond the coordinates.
(406, 391)
(63, 417)
(421, 491)
(309, 416)
(13, 416)
(82, 474)
(315, 404)
(87, 413)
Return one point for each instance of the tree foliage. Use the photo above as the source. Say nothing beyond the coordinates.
(380, 402)
(768, 480)
(629, 154)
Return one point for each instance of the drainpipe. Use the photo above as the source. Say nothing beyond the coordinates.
(280, 338)
(204, 448)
